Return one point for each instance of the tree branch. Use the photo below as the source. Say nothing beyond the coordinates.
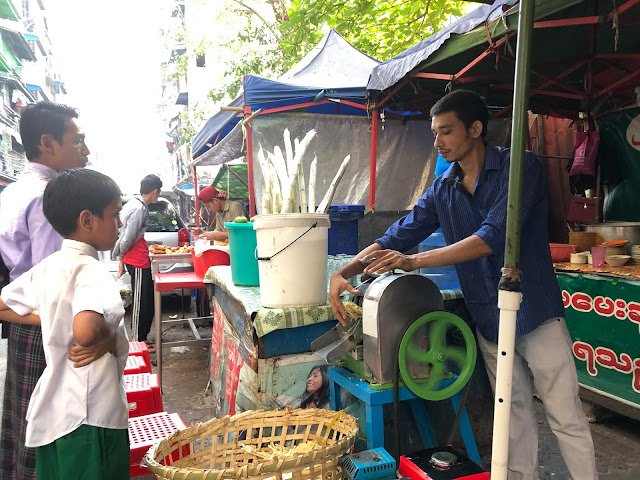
(253, 10)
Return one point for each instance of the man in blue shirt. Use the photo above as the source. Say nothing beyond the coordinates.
(469, 202)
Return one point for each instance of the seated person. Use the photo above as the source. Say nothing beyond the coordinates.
(224, 210)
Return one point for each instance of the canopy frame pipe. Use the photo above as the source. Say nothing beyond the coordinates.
(252, 194)
(373, 159)
(509, 289)
(195, 189)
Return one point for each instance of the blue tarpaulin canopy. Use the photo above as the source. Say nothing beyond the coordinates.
(334, 69)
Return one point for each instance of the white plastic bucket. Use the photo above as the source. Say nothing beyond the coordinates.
(292, 259)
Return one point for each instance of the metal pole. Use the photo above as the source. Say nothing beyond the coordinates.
(195, 189)
(509, 294)
(373, 160)
(252, 194)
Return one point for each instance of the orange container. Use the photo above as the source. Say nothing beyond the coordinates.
(561, 252)
(209, 258)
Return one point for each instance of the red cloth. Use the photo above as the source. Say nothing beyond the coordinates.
(138, 255)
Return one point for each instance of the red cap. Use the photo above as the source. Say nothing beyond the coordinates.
(209, 193)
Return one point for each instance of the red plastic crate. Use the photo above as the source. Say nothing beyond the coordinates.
(143, 394)
(148, 430)
(136, 365)
(139, 349)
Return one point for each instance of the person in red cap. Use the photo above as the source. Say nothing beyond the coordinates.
(225, 211)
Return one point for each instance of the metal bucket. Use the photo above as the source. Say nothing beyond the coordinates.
(616, 231)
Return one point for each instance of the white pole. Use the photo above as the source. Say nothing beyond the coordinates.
(509, 304)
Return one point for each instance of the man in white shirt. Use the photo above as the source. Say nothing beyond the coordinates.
(77, 417)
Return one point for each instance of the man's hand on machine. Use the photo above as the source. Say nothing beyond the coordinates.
(337, 285)
(383, 261)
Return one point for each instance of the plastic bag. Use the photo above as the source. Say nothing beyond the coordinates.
(584, 155)
(125, 293)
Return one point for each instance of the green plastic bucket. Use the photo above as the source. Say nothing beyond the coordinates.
(242, 248)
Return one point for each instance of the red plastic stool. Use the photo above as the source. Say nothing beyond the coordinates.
(136, 365)
(147, 430)
(139, 349)
(143, 394)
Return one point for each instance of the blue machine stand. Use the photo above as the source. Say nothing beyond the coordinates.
(375, 399)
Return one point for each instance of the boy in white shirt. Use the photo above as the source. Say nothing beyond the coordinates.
(77, 417)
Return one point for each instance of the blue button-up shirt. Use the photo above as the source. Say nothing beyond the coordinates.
(449, 205)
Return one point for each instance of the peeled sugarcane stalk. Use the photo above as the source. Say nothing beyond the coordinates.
(265, 166)
(280, 165)
(297, 200)
(288, 150)
(276, 196)
(311, 208)
(290, 190)
(326, 201)
(302, 194)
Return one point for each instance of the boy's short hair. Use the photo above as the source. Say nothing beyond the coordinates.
(150, 183)
(74, 191)
(467, 105)
(43, 118)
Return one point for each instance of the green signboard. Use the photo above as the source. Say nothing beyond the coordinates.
(603, 317)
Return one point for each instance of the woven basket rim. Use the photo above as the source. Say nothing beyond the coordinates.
(345, 424)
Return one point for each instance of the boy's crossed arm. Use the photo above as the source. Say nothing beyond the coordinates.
(90, 328)
(94, 338)
(9, 315)
(90, 331)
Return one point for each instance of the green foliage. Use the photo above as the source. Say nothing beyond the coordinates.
(185, 128)
(379, 28)
(268, 45)
(255, 51)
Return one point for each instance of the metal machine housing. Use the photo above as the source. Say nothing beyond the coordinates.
(392, 303)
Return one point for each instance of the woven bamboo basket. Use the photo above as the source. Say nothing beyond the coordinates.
(583, 240)
(258, 445)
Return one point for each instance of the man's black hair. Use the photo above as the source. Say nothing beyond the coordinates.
(43, 118)
(467, 105)
(150, 183)
(74, 191)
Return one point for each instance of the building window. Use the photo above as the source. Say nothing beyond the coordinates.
(200, 60)
(32, 45)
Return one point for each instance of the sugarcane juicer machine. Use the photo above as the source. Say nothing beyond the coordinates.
(403, 320)
(403, 328)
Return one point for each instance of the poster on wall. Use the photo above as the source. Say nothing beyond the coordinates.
(603, 318)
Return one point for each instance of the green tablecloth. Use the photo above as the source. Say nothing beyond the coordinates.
(267, 320)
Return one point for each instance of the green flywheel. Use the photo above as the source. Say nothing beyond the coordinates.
(428, 346)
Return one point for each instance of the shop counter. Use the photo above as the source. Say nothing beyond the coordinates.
(602, 309)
